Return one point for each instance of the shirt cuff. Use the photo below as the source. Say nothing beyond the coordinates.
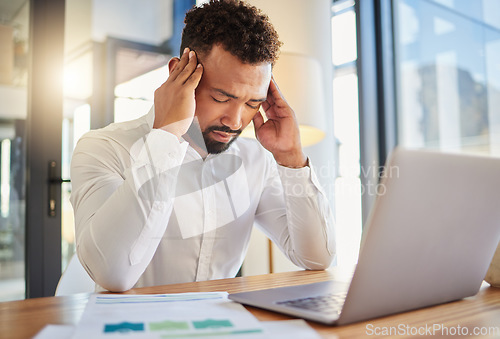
(299, 182)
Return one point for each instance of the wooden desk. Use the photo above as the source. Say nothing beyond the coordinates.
(23, 319)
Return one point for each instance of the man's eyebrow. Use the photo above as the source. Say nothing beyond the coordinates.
(232, 96)
(258, 100)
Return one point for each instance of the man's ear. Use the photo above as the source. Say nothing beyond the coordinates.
(172, 63)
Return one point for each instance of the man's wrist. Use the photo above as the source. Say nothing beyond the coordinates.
(291, 160)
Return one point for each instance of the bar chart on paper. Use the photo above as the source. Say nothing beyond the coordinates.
(185, 315)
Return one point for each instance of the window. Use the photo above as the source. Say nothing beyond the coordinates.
(448, 67)
(346, 129)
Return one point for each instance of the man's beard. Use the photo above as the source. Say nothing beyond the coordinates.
(212, 146)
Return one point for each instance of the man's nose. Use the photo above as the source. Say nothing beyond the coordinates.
(232, 118)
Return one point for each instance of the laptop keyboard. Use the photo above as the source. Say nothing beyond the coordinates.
(329, 303)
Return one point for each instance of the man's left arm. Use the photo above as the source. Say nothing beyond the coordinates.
(280, 133)
(294, 213)
(293, 210)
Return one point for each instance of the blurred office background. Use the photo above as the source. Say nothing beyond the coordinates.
(420, 74)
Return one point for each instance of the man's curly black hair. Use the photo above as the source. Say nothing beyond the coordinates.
(241, 29)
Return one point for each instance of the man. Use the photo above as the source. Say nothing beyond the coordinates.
(173, 196)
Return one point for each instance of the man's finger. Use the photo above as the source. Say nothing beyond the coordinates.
(266, 105)
(270, 97)
(274, 95)
(258, 121)
(274, 89)
(195, 77)
(180, 65)
(189, 68)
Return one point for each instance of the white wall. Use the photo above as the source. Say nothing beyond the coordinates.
(305, 28)
(146, 21)
(77, 25)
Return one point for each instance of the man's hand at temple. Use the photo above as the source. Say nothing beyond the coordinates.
(280, 133)
(175, 99)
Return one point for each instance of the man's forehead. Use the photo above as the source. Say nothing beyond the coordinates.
(219, 57)
(223, 92)
(224, 71)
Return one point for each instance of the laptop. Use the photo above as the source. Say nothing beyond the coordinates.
(429, 239)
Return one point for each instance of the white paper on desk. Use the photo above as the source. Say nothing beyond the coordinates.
(282, 329)
(183, 315)
(289, 329)
(55, 332)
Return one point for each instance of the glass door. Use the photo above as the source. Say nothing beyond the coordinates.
(31, 42)
(65, 66)
(14, 42)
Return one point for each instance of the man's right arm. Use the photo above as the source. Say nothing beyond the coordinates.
(123, 201)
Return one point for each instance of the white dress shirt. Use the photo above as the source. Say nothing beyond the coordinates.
(149, 210)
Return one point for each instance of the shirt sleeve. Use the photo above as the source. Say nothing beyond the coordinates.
(294, 213)
(123, 199)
